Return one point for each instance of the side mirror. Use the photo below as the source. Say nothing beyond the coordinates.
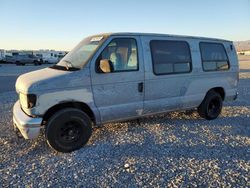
(105, 66)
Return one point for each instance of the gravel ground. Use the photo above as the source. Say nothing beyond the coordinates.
(175, 149)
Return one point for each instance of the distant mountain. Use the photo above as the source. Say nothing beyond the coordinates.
(242, 45)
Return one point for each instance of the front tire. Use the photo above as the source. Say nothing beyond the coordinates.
(211, 106)
(68, 130)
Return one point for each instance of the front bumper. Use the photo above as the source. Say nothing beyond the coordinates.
(28, 126)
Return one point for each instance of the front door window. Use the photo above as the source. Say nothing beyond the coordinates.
(122, 55)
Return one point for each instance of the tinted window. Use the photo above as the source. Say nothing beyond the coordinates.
(214, 57)
(170, 57)
(122, 55)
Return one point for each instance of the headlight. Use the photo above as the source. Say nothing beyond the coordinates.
(27, 101)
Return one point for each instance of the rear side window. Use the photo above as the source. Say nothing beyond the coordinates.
(170, 57)
(214, 57)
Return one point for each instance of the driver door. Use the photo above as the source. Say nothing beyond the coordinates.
(119, 94)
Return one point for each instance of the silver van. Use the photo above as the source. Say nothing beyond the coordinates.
(121, 76)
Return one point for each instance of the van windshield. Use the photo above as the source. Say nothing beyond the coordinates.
(79, 56)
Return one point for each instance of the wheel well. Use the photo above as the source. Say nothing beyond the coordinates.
(79, 105)
(219, 90)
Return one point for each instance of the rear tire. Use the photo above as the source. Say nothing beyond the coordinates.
(211, 106)
(68, 130)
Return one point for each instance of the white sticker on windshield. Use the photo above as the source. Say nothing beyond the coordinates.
(96, 39)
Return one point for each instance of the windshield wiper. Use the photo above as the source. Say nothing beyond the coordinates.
(68, 64)
(60, 67)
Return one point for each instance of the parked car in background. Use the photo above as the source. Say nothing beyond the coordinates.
(8, 59)
(121, 76)
(23, 59)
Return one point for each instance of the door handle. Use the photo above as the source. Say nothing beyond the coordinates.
(140, 87)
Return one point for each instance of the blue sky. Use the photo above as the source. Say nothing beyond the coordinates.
(61, 24)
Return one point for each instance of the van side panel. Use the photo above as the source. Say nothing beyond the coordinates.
(167, 92)
(186, 90)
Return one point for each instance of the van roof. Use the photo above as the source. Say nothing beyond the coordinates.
(162, 35)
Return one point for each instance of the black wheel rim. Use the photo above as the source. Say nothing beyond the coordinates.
(70, 132)
(214, 107)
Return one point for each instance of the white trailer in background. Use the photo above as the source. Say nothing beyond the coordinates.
(50, 56)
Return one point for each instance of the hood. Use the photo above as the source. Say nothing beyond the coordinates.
(49, 79)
